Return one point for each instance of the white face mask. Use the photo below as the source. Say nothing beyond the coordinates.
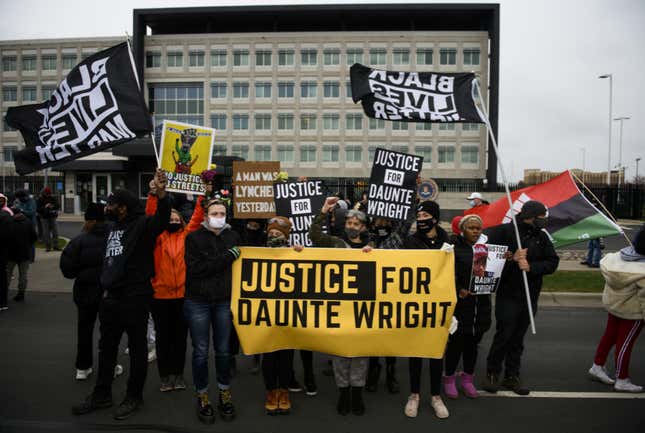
(472, 203)
(216, 223)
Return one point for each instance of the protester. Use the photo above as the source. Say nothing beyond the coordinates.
(361, 205)
(594, 253)
(624, 299)
(475, 199)
(473, 312)
(537, 258)
(127, 269)
(6, 226)
(3, 205)
(210, 253)
(23, 238)
(429, 235)
(47, 208)
(26, 203)
(169, 288)
(348, 372)
(454, 225)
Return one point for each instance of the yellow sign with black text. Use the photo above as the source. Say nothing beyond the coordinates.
(343, 301)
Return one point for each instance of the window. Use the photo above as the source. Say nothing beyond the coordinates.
(309, 57)
(401, 56)
(9, 94)
(370, 153)
(348, 89)
(240, 90)
(218, 58)
(403, 148)
(153, 60)
(28, 94)
(5, 125)
(425, 151)
(219, 149)
(470, 126)
(29, 63)
(471, 56)
(240, 150)
(331, 121)
(424, 56)
(263, 58)
(49, 62)
(262, 153)
(469, 154)
(448, 56)
(175, 59)
(285, 90)
(354, 121)
(308, 89)
(218, 121)
(8, 153)
(218, 89)
(331, 89)
(285, 153)
(330, 153)
(331, 57)
(285, 57)
(399, 126)
(285, 121)
(240, 122)
(353, 153)
(446, 127)
(262, 121)
(47, 92)
(446, 154)
(377, 56)
(263, 90)
(240, 57)
(9, 63)
(307, 121)
(177, 101)
(196, 58)
(354, 55)
(424, 126)
(376, 123)
(307, 153)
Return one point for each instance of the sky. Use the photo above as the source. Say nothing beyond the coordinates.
(552, 103)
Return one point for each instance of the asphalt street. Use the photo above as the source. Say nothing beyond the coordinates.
(37, 386)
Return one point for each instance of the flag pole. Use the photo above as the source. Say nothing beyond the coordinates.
(510, 200)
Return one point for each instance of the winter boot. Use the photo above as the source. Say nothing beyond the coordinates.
(467, 386)
(372, 377)
(344, 401)
(358, 406)
(450, 387)
(390, 379)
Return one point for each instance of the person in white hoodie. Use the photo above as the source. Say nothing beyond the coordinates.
(624, 299)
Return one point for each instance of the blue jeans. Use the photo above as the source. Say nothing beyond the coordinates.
(594, 253)
(201, 317)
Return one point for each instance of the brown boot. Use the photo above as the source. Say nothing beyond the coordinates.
(271, 402)
(284, 403)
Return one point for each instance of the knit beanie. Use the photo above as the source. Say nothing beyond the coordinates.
(125, 198)
(430, 207)
(531, 209)
(94, 211)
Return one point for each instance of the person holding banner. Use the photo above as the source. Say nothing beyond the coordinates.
(473, 312)
(429, 235)
(537, 258)
(210, 253)
(350, 373)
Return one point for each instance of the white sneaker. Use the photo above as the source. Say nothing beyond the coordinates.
(440, 409)
(412, 406)
(127, 351)
(118, 370)
(626, 385)
(598, 373)
(83, 374)
(152, 355)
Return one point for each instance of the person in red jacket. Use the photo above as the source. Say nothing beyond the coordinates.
(169, 285)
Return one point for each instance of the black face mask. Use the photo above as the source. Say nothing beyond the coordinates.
(352, 233)
(173, 227)
(539, 223)
(383, 231)
(276, 242)
(424, 226)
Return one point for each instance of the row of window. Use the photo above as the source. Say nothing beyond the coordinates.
(29, 93)
(310, 57)
(48, 62)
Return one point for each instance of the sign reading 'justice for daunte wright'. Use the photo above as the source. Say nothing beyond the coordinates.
(300, 202)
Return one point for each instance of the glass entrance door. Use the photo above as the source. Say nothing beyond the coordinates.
(101, 186)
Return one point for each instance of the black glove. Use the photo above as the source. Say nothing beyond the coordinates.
(235, 252)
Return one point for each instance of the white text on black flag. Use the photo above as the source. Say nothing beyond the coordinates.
(300, 202)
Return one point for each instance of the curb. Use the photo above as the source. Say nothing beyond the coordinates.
(567, 299)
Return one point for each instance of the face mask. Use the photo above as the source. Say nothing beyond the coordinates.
(472, 203)
(383, 231)
(173, 227)
(424, 226)
(216, 223)
(539, 223)
(110, 215)
(352, 233)
(276, 241)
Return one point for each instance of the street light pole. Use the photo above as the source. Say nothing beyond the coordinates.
(620, 145)
(611, 85)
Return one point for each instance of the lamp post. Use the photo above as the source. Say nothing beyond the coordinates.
(611, 85)
(620, 145)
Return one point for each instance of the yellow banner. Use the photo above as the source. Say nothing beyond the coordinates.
(343, 301)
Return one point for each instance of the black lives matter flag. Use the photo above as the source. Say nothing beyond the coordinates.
(393, 184)
(97, 106)
(415, 96)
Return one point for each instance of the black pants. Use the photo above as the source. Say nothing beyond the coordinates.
(4, 286)
(389, 360)
(277, 368)
(171, 334)
(87, 314)
(512, 322)
(460, 344)
(436, 369)
(307, 358)
(129, 315)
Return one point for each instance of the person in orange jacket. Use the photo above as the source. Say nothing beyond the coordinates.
(168, 299)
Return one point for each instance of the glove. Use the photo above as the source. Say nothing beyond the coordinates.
(454, 324)
(235, 252)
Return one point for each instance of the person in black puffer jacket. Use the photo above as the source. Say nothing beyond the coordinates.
(473, 312)
(82, 260)
(23, 237)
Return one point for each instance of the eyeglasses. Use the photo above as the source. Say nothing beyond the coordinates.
(280, 222)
